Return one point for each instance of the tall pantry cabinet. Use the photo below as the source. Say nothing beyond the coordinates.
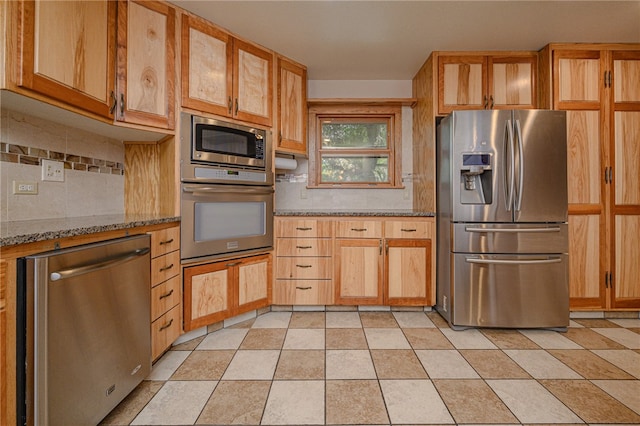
(599, 87)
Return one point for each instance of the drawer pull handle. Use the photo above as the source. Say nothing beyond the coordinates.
(303, 266)
(166, 294)
(167, 325)
(408, 230)
(303, 247)
(303, 288)
(304, 229)
(166, 268)
(166, 242)
(359, 229)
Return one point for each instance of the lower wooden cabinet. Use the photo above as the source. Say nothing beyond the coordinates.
(408, 272)
(216, 291)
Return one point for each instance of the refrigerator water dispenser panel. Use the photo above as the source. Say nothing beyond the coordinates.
(476, 179)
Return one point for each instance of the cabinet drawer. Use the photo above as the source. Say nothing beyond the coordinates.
(359, 229)
(165, 241)
(164, 331)
(309, 228)
(303, 247)
(165, 296)
(165, 267)
(408, 229)
(303, 292)
(303, 267)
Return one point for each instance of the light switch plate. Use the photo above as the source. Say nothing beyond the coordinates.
(53, 170)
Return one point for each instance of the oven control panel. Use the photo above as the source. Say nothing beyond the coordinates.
(231, 175)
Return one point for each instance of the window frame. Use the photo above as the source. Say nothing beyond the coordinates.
(392, 114)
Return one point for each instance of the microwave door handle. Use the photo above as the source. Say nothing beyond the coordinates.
(227, 189)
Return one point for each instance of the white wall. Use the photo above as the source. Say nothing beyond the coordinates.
(292, 192)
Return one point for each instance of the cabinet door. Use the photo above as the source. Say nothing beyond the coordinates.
(358, 271)
(252, 83)
(512, 82)
(585, 262)
(292, 107)
(207, 294)
(207, 57)
(462, 83)
(68, 52)
(254, 283)
(408, 272)
(146, 63)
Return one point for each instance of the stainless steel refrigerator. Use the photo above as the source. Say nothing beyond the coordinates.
(502, 219)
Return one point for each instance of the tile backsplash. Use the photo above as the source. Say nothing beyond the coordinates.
(94, 169)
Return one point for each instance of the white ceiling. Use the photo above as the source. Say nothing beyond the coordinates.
(390, 40)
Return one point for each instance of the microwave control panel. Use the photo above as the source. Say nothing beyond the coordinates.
(221, 174)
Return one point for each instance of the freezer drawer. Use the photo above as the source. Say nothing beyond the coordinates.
(510, 238)
(530, 291)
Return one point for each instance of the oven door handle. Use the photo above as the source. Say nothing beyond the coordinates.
(225, 189)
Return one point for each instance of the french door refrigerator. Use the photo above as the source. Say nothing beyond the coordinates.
(502, 219)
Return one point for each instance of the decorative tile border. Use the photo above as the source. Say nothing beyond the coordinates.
(20, 154)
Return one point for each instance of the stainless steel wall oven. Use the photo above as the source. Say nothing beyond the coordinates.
(227, 188)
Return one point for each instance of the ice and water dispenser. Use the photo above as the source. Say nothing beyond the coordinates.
(476, 179)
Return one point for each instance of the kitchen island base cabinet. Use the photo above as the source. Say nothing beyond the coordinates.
(217, 291)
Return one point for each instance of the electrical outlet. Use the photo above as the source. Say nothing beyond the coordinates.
(25, 188)
(53, 170)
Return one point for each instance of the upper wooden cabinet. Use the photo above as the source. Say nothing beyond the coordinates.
(291, 107)
(480, 81)
(223, 75)
(146, 63)
(69, 54)
(599, 87)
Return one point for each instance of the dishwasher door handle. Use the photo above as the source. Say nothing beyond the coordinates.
(96, 266)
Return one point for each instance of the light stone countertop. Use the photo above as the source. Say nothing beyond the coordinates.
(30, 231)
(363, 213)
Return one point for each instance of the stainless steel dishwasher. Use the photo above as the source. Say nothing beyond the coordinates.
(86, 340)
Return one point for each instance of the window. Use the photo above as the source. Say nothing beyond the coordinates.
(354, 146)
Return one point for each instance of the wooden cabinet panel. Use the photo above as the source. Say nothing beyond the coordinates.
(164, 331)
(407, 229)
(585, 287)
(408, 272)
(627, 158)
(292, 107)
(577, 75)
(462, 82)
(303, 268)
(304, 247)
(165, 296)
(626, 69)
(583, 157)
(3, 342)
(207, 294)
(512, 82)
(358, 271)
(358, 229)
(303, 228)
(165, 267)
(303, 292)
(627, 265)
(146, 63)
(253, 74)
(254, 276)
(165, 240)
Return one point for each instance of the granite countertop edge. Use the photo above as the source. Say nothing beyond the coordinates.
(362, 213)
(30, 231)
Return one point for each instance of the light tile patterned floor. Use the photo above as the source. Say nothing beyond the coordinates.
(392, 368)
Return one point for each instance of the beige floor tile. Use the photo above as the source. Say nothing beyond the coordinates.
(273, 320)
(437, 320)
(386, 338)
(530, 402)
(355, 402)
(626, 322)
(427, 338)
(413, 320)
(493, 364)
(227, 338)
(541, 365)
(252, 365)
(446, 364)
(343, 320)
(397, 364)
(589, 365)
(298, 402)
(414, 402)
(204, 365)
(236, 403)
(591, 403)
(468, 339)
(264, 338)
(624, 359)
(349, 364)
(589, 339)
(378, 320)
(307, 320)
(345, 338)
(188, 345)
(509, 339)
(625, 391)
(548, 339)
(473, 401)
(300, 365)
(304, 338)
(167, 365)
(596, 323)
(177, 403)
(131, 406)
(623, 336)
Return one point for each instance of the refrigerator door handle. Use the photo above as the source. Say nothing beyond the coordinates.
(512, 230)
(512, 262)
(520, 144)
(509, 175)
